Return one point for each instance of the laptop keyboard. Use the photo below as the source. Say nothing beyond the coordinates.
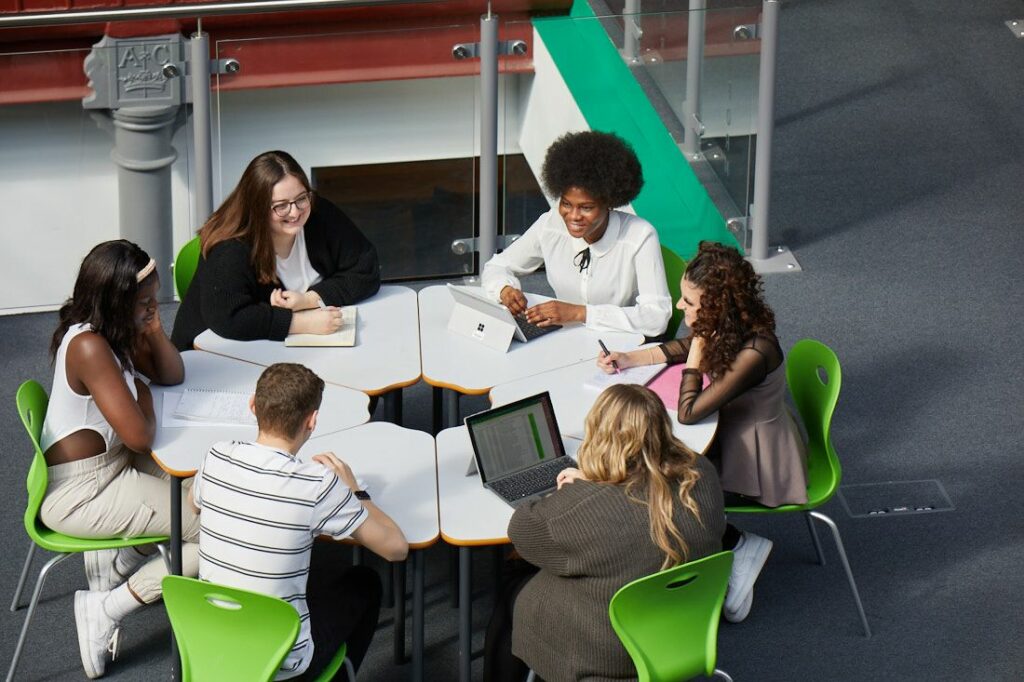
(532, 331)
(532, 480)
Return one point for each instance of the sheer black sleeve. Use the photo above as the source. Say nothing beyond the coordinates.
(759, 356)
(676, 351)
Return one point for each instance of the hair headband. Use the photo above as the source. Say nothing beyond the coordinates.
(146, 271)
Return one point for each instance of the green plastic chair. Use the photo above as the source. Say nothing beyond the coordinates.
(675, 266)
(32, 402)
(815, 377)
(225, 634)
(668, 621)
(185, 266)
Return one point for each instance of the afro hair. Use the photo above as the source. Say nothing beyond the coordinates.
(601, 164)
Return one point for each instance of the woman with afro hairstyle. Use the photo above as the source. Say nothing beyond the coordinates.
(761, 454)
(604, 265)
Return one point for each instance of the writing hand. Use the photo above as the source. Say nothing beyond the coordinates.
(318, 321)
(604, 361)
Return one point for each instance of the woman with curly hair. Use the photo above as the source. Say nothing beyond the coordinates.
(276, 260)
(758, 444)
(640, 502)
(605, 265)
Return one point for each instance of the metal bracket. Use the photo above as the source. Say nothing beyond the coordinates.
(460, 247)
(696, 125)
(1016, 27)
(747, 32)
(218, 66)
(515, 48)
(780, 259)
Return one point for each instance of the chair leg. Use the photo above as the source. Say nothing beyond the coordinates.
(350, 669)
(721, 673)
(24, 574)
(531, 676)
(31, 611)
(814, 537)
(165, 553)
(846, 566)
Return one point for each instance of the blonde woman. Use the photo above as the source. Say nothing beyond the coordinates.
(641, 501)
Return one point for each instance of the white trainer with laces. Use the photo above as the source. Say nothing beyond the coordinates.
(749, 556)
(98, 633)
(102, 570)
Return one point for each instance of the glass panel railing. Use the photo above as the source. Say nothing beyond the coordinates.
(73, 176)
(381, 134)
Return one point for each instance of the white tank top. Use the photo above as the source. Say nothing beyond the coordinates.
(68, 411)
(295, 271)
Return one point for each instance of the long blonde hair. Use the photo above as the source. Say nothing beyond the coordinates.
(628, 441)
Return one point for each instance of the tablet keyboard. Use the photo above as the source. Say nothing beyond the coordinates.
(530, 481)
(532, 331)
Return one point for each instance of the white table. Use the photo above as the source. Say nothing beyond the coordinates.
(465, 366)
(471, 516)
(398, 467)
(180, 450)
(572, 401)
(385, 359)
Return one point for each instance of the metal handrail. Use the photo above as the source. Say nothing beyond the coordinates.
(188, 11)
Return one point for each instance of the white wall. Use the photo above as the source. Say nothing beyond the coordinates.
(59, 186)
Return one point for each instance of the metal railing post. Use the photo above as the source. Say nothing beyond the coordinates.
(199, 64)
(488, 221)
(631, 31)
(780, 260)
(692, 127)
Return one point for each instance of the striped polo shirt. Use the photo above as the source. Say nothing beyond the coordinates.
(261, 510)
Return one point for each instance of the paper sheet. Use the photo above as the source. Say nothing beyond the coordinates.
(206, 407)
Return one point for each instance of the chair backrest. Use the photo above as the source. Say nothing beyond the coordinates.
(32, 402)
(185, 266)
(668, 621)
(815, 377)
(675, 266)
(226, 634)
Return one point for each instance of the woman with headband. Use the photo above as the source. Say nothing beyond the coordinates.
(604, 265)
(97, 436)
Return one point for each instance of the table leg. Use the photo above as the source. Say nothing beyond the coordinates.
(453, 575)
(419, 571)
(393, 406)
(175, 563)
(465, 615)
(451, 408)
(357, 555)
(437, 407)
(398, 589)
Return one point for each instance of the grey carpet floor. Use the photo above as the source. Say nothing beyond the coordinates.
(899, 183)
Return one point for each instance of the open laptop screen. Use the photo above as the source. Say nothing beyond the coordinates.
(515, 437)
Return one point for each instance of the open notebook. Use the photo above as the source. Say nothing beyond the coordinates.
(345, 337)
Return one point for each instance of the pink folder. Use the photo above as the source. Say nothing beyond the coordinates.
(666, 385)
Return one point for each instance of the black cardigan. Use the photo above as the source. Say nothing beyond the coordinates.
(226, 297)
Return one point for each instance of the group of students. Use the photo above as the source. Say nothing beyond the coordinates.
(276, 259)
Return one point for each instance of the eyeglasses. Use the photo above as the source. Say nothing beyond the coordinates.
(301, 203)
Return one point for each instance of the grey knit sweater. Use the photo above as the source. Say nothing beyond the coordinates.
(589, 540)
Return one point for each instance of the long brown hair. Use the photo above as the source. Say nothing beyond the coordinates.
(104, 297)
(732, 306)
(629, 442)
(245, 214)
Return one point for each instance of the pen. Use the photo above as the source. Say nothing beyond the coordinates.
(604, 349)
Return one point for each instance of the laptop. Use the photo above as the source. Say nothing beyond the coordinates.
(518, 449)
(481, 319)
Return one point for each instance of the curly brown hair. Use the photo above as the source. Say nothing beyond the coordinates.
(732, 306)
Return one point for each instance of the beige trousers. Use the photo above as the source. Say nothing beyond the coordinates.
(121, 494)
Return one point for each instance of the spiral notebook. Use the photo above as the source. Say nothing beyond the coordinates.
(344, 337)
(211, 405)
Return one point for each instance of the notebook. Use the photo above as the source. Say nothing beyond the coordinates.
(634, 375)
(518, 449)
(344, 337)
(211, 405)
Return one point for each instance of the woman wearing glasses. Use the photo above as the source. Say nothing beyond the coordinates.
(604, 265)
(276, 260)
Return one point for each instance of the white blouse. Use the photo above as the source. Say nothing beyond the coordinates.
(623, 288)
(295, 271)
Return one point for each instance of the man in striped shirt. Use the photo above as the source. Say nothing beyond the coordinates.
(262, 509)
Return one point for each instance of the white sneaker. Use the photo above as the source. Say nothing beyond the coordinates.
(749, 556)
(740, 614)
(101, 569)
(98, 633)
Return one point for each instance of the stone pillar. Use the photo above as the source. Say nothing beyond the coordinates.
(142, 106)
